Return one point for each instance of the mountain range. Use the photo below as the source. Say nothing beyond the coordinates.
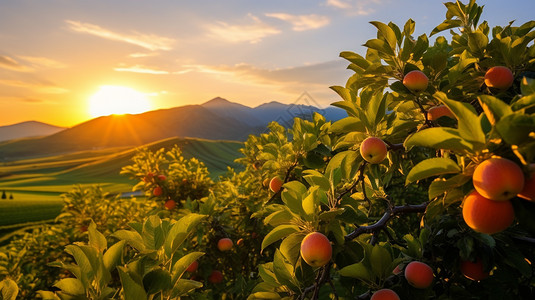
(217, 119)
(27, 129)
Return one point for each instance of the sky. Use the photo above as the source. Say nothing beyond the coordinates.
(56, 54)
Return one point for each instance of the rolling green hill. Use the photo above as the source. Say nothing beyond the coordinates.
(43, 180)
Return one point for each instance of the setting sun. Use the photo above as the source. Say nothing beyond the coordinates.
(117, 100)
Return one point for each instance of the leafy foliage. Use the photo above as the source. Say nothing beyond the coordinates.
(378, 217)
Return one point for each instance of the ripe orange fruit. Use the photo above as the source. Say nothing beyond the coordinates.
(473, 270)
(224, 244)
(275, 184)
(416, 81)
(157, 191)
(385, 294)
(498, 179)
(169, 204)
(193, 267)
(419, 274)
(316, 249)
(499, 77)
(485, 215)
(373, 150)
(439, 111)
(215, 277)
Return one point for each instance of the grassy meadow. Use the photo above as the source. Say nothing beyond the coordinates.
(37, 183)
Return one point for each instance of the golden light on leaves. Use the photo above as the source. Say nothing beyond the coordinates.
(117, 100)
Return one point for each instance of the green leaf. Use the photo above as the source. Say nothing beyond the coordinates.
(278, 233)
(279, 217)
(46, 295)
(180, 230)
(157, 280)
(516, 128)
(477, 42)
(358, 271)
(266, 273)
(467, 118)
(132, 238)
(265, 295)
(71, 286)
(524, 102)
(439, 138)
(442, 185)
(387, 33)
(153, 236)
(9, 289)
(380, 46)
(348, 124)
(132, 290)
(88, 265)
(182, 264)
(284, 272)
(292, 196)
(448, 24)
(291, 247)
(314, 177)
(432, 167)
(527, 86)
(184, 286)
(380, 259)
(96, 239)
(311, 201)
(494, 108)
(113, 256)
(346, 161)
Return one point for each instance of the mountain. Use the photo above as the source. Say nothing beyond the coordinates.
(27, 129)
(217, 119)
(263, 114)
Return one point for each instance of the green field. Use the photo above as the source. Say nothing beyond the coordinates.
(37, 184)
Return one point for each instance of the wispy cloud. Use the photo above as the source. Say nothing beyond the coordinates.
(140, 69)
(354, 7)
(10, 63)
(38, 86)
(320, 74)
(43, 62)
(253, 32)
(148, 41)
(141, 54)
(302, 22)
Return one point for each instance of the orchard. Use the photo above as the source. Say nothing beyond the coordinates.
(425, 191)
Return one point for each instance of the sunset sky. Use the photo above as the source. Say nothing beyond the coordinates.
(56, 54)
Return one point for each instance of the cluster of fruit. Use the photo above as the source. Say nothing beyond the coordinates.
(158, 191)
(224, 244)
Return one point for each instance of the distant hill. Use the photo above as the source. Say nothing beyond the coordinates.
(27, 129)
(217, 119)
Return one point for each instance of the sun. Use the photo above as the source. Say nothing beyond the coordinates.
(117, 100)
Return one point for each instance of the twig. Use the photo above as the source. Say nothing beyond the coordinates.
(323, 276)
(389, 214)
(361, 177)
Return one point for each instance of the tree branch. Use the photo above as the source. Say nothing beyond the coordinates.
(389, 214)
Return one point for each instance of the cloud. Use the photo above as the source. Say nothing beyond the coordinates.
(9, 63)
(253, 32)
(140, 54)
(140, 69)
(320, 75)
(302, 22)
(354, 7)
(148, 41)
(43, 62)
(36, 85)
